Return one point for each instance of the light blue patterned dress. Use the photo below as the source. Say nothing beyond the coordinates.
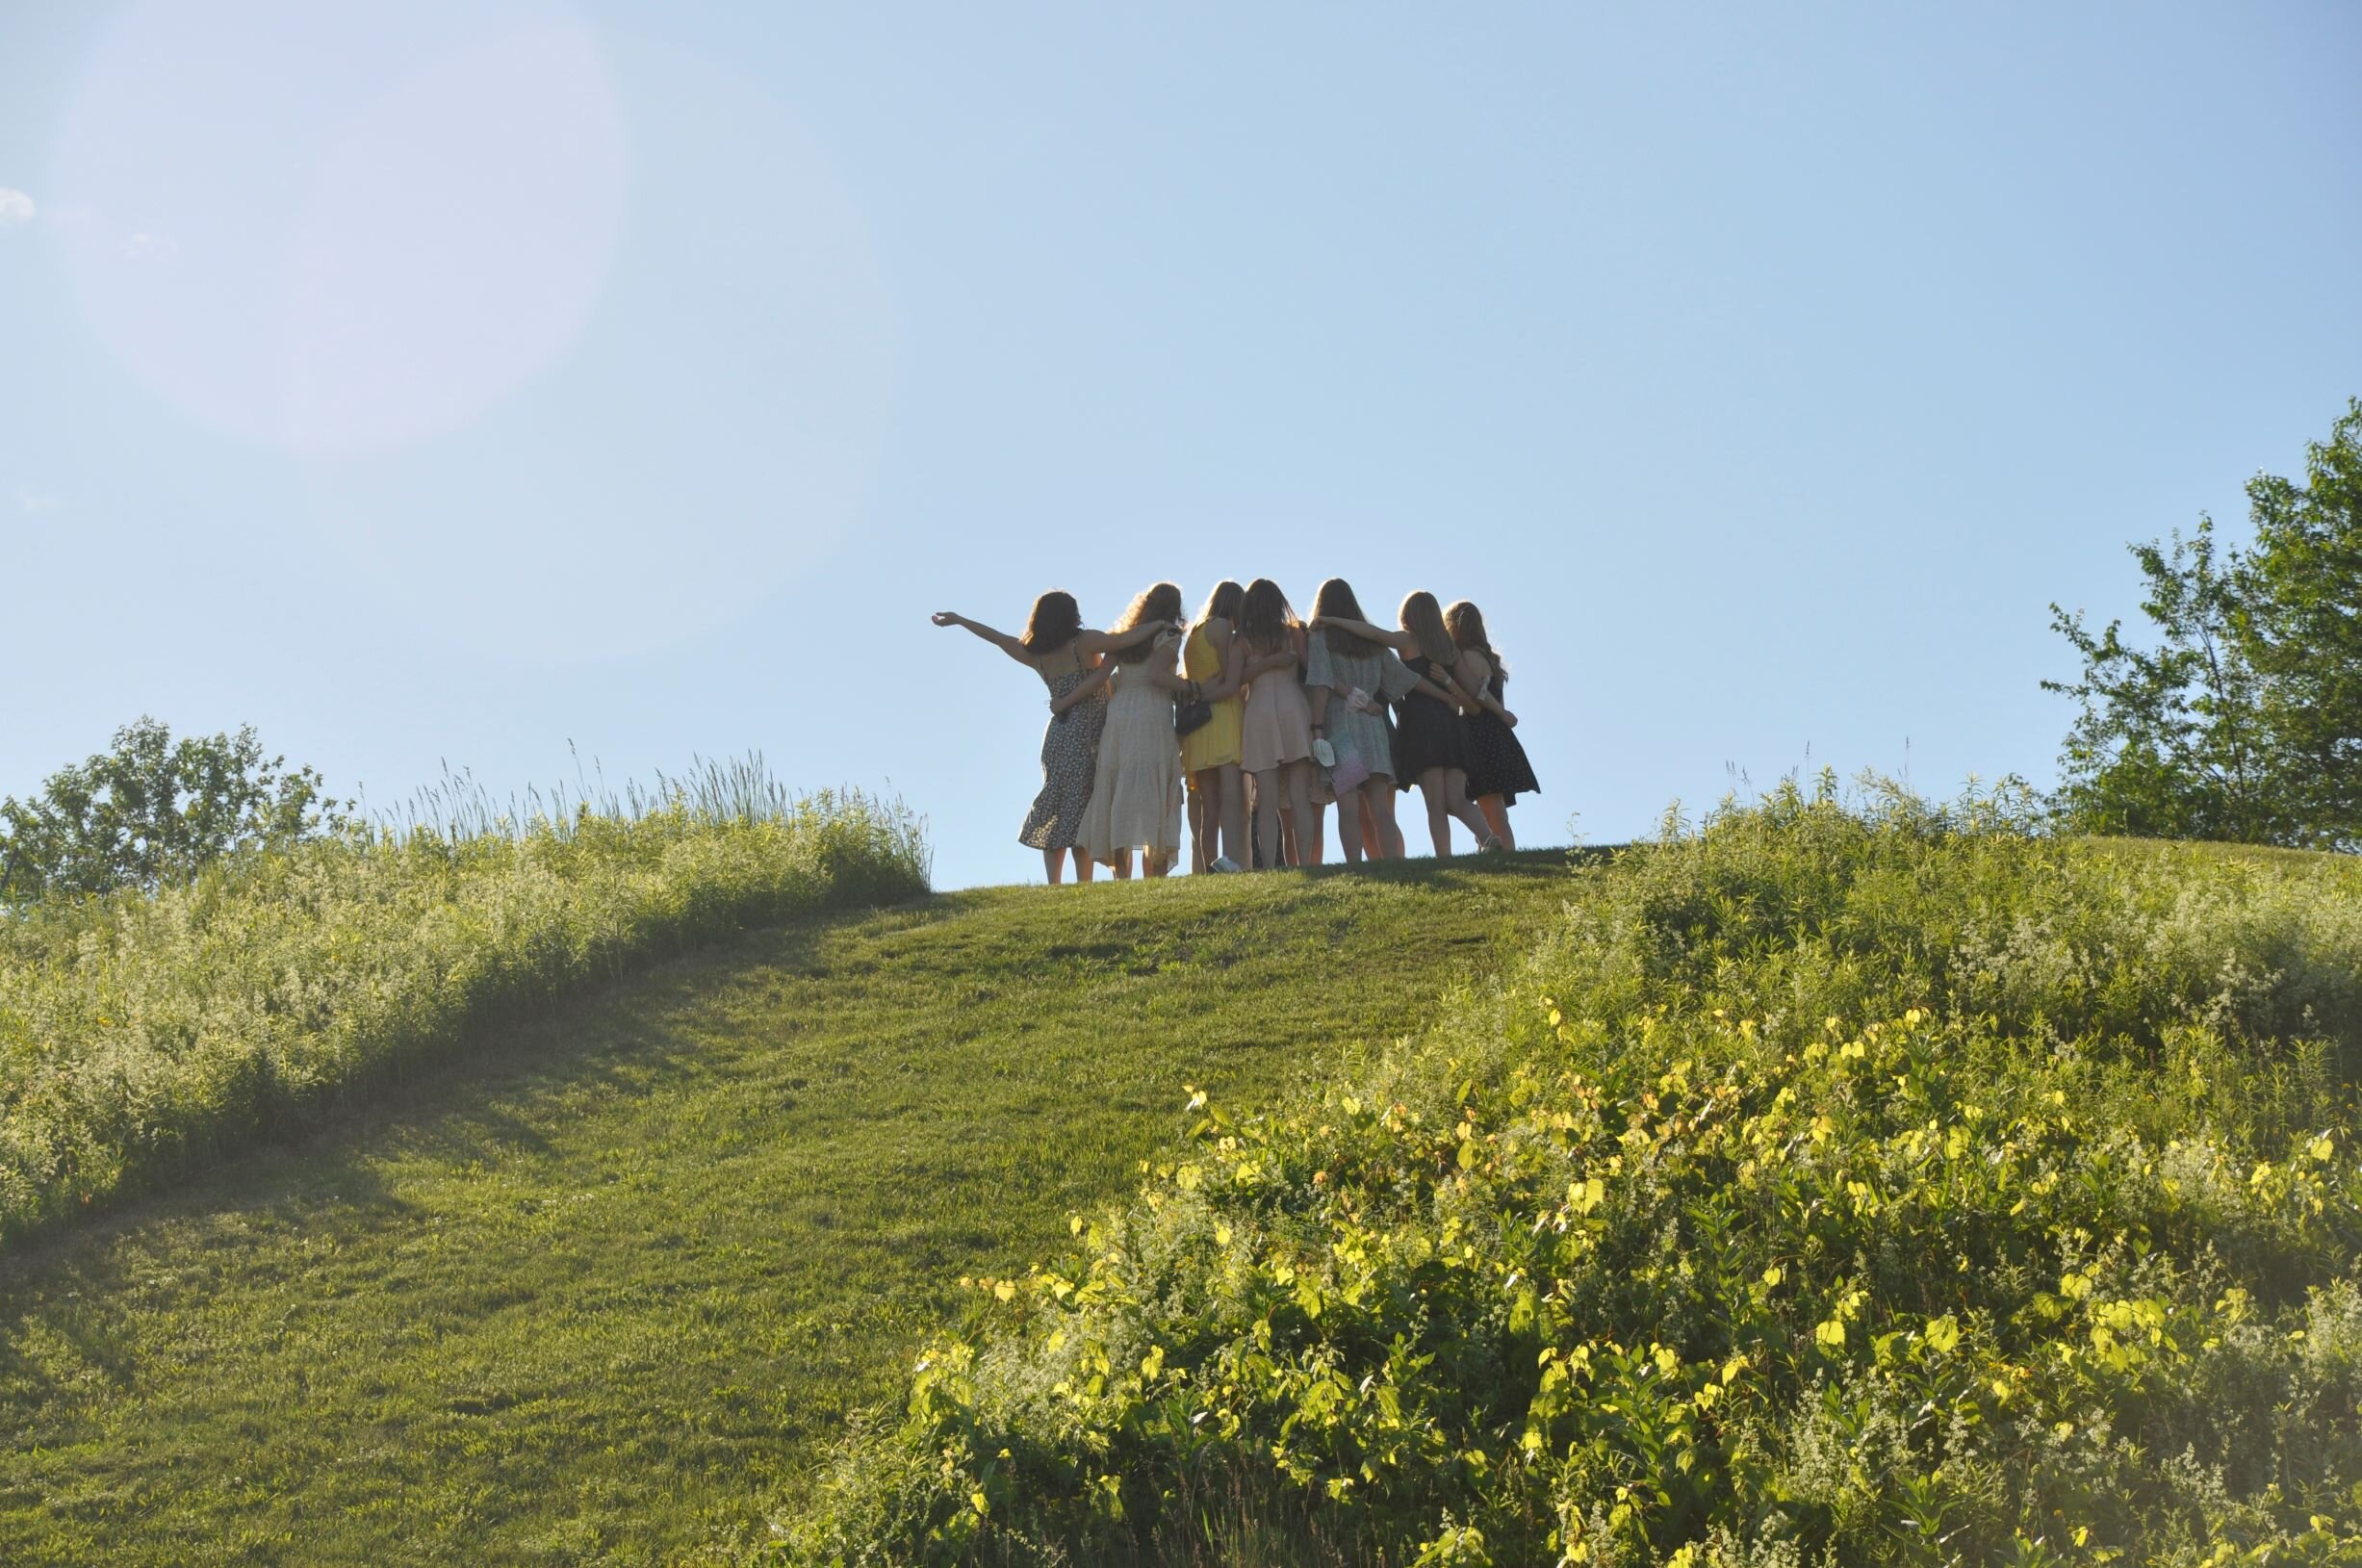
(1381, 673)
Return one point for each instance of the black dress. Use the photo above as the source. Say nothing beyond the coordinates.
(1070, 756)
(1496, 763)
(1427, 732)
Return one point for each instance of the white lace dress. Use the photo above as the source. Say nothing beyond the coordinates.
(1136, 793)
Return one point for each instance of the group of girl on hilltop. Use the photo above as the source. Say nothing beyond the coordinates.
(1260, 712)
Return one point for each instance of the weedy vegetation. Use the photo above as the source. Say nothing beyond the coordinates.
(1861, 1183)
(148, 1031)
(601, 1284)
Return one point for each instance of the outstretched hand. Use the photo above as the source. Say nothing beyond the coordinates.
(945, 617)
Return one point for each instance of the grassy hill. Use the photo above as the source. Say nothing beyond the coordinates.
(1869, 1184)
(1879, 1184)
(599, 1287)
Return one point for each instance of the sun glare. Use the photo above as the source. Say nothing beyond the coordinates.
(341, 230)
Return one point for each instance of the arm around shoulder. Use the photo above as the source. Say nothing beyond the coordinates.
(1164, 668)
(1084, 690)
(1402, 642)
(1114, 642)
(1233, 651)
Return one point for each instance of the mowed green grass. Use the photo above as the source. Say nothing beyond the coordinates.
(589, 1292)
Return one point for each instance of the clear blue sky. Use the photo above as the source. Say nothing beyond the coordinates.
(450, 381)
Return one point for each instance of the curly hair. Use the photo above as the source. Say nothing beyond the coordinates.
(1159, 601)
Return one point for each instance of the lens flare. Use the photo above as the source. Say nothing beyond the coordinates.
(340, 229)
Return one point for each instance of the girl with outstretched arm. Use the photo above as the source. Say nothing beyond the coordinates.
(1068, 656)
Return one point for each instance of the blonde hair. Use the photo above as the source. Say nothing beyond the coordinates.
(1159, 601)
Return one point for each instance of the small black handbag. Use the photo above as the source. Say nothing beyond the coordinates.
(1192, 713)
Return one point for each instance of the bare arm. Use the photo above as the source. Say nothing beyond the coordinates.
(1162, 669)
(1093, 642)
(1402, 642)
(1457, 692)
(1476, 675)
(1090, 684)
(1265, 663)
(1233, 651)
(1001, 640)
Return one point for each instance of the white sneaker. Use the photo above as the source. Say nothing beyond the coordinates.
(1221, 862)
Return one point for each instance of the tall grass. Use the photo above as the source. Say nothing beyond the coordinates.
(1870, 1184)
(740, 790)
(142, 1035)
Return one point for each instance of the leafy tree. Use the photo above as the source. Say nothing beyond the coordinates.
(2303, 619)
(2245, 721)
(2168, 744)
(153, 811)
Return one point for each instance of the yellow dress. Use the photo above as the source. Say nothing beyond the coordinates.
(1215, 741)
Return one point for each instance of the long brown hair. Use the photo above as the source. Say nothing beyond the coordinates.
(1159, 601)
(1336, 599)
(1265, 620)
(1466, 624)
(1223, 602)
(1423, 619)
(1057, 620)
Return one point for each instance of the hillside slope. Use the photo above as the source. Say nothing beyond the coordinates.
(595, 1289)
(1853, 1181)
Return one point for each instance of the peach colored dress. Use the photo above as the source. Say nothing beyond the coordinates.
(1277, 729)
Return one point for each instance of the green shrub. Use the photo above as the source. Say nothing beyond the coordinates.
(1870, 1185)
(143, 1033)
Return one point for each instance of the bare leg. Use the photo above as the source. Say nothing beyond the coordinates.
(1202, 817)
(1457, 803)
(1231, 782)
(1319, 827)
(1121, 865)
(1158, 862)
(1300, 813)
(1255, 820)
(1378, 803)
(1355, 830)
(1266, 816)
(1439, 816)
(1082, 864)
(1053, 863)
(1497, 817)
